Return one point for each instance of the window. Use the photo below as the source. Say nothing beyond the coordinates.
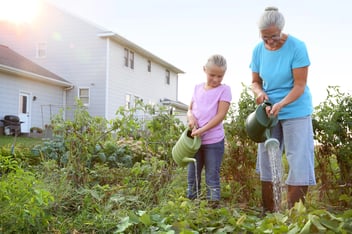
(167, 77)
(129, 58)
(23, 104)
(137, 100)
(128, 101)
(84, 96)
(131, 101)
(126, 57)
(41, 50)
(149, 66)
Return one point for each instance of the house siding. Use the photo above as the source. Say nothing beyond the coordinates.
(41, 110)
(149, 86)
(74, 52)
(77, 53)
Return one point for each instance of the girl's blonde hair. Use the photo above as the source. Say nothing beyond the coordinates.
(217, 60)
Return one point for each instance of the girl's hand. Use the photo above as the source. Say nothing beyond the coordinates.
(196, 132)
(192, 121)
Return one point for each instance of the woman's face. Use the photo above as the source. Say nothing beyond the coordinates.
(271, 37)
(215, 74)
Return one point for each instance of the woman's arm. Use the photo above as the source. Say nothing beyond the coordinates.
(300, 82)
(257, 88)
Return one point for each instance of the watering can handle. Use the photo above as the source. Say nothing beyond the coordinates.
(195, 141)
(272, 118)
(195, 138)
(267, 103)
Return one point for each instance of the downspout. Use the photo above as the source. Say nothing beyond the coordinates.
(176, 87)
(64, 99)
(107, 78)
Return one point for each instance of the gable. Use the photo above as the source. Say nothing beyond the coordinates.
(12, 62)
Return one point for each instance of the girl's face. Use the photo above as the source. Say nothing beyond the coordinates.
(215, 74)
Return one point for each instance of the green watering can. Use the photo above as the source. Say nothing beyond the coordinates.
(185, 148)
(258, 123)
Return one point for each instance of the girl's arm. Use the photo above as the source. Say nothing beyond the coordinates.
(218, 118)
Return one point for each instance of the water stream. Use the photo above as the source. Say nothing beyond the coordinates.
(196, 175)
(272, 146)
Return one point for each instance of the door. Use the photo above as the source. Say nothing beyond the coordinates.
(24, 112)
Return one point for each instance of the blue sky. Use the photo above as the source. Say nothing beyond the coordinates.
(186, 32)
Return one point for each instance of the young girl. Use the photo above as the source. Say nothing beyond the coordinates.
(209, 105)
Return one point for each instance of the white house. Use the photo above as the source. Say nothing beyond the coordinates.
(21, 82)
(101, 68)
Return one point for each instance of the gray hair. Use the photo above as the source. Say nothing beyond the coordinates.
(271, 17)
(217, 60)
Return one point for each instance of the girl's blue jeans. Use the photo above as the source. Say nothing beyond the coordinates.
(210, 158)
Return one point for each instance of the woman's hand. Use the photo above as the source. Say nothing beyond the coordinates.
(274, 109)
(261, 97)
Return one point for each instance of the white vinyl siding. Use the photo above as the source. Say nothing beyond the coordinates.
(41, 50)
(48, 101)
(124, 85)
(77, 52)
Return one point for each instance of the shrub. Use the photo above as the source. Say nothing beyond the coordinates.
(23, 203)
(333, 132)
(240, 155)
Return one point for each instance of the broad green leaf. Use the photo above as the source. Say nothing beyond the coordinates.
(123, 225)
(306, 228)
(331, 225)
(315, 221)
(146, 220)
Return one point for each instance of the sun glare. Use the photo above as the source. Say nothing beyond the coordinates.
(19, 11)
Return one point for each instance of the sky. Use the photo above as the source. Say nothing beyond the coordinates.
(186, 32)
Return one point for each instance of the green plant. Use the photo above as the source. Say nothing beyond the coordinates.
(23, 203)
(7, 164)
(77, 141)
(240, 155)
(151, 124)
(333, 132)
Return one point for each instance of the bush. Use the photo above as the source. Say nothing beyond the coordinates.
(23, 203)
(240, 155)
(333, 132)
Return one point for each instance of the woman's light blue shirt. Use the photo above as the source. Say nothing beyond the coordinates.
(275, 69)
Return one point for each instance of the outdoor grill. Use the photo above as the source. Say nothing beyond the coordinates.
(12, 125)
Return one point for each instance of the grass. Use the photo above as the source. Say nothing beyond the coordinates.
(25, 140)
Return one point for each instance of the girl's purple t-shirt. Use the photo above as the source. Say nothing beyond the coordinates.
(205, 106)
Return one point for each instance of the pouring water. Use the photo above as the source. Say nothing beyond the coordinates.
(272, 146)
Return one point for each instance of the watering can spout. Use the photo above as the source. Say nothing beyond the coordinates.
(271, 142)
(188, 160)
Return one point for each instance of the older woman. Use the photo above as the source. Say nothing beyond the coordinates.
(279, 74)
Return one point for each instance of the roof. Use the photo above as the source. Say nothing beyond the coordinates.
(177, 104)
(14, 63)
(123, 41)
